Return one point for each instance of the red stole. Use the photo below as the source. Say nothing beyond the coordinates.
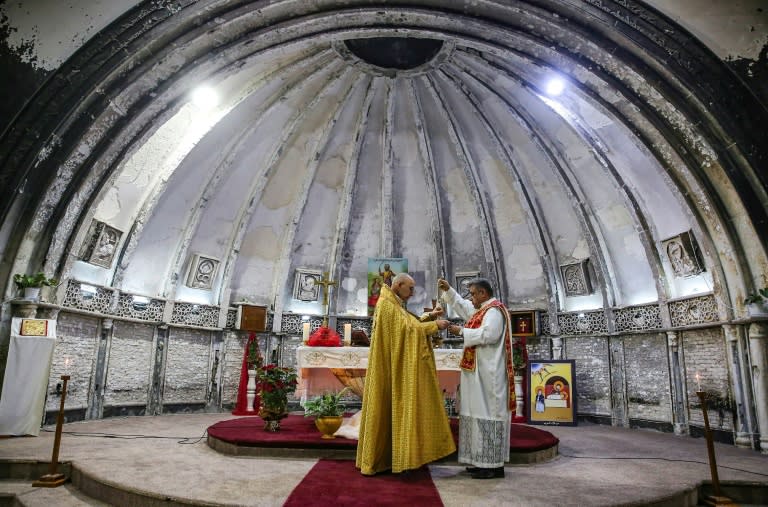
(469, 358)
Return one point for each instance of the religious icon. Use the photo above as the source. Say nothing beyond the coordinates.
(551, 395)
(576, 278)
(381, 271)
(100, 249)
(682, 253)
(523, 323)
(462, 282)
(305, 287)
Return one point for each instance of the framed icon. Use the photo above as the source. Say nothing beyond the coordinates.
(462, 282)
(523, 323)
(305, 287)
(551, 392)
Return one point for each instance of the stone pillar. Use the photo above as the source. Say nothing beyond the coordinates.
(155, 404)
(557, 348)
(96, 402)
(758, 347)
(739, 366)
(679, 396)
(619, 406)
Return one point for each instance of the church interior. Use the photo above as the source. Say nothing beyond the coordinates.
(171, 166)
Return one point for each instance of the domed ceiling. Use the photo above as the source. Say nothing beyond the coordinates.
(505, 139)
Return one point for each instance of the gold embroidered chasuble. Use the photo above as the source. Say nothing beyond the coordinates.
(403, 423)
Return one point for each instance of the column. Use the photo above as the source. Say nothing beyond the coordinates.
(677, 389)
(758, 336)
(739, 362)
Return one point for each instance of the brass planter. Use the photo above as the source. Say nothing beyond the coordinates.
(328, 425)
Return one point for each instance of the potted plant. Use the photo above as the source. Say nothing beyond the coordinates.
(757, 303)
(274, 383)
(31, 284)
(328, 410)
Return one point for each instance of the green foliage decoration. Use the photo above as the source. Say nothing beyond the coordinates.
(325, 405)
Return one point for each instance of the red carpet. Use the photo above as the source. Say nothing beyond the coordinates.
(298, 431)
(340, 484)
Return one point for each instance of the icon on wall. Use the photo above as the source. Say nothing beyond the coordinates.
(381, 271)
(576, 278)
(202, 272)
(683, 255)
(462, 282)
(102, 244)
(305, 287)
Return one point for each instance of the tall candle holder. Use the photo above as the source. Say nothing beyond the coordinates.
(717, 499)
(54, 479)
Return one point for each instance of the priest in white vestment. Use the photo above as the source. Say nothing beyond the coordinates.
(486, 390)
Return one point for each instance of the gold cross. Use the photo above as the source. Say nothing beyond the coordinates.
(326, 282)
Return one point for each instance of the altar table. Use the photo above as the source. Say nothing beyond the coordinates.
(314, 366)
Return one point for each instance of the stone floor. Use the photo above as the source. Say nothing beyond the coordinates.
(165, 460)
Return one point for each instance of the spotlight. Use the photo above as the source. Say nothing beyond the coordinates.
(205, 97)
(555, 86)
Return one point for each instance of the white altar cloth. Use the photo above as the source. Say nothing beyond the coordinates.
(26, 379)
(315, 377)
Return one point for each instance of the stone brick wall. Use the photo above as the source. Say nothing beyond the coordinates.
(231, 365)
(593, 387)
(74, 355)
(705, 353)
(188, 366)
(646, 368)
(538, 348)
(129, 370)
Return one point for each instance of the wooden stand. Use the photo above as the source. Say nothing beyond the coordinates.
(717, 499)
(53, 479)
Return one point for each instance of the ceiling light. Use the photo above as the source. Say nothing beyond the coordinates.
(555, 86)
(205, 97)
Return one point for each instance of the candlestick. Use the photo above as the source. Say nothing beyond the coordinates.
(347, 335)
(305, 332)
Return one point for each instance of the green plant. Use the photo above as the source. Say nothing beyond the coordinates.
(326, 405)
(36, 280)
(274, 383)
(757, 297)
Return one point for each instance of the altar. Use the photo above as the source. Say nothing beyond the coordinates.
(319, 369)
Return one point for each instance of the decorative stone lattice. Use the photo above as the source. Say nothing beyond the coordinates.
(232, 318)
(191, 314)
(638, 318)
(152, 310)
(583, 323)
(697, 310)
(98, 302)
(544, 323)
(291, 323)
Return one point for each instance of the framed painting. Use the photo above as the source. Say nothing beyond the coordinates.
(381, 271)
(305, 287)
(551, 392)
(523, 323)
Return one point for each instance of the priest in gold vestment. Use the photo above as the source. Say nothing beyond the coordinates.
(403, 424)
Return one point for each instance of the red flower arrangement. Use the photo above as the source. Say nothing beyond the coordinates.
(274, 384)
(324, 337)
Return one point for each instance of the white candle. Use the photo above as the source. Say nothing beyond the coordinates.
(305, 332)
(698, 382)
(347, 334)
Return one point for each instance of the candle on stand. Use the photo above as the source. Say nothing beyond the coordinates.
(347, 335)
(698, 382)
(305, 332)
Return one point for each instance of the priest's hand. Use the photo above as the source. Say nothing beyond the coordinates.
(436, 312)
(456, 330)
(442, 324)
(443, 284)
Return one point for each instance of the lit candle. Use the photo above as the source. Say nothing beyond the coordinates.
(66, 364)
(698, 382)
(347, 335)
(305, 332)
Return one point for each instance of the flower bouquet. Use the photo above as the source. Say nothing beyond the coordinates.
(274, 383)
